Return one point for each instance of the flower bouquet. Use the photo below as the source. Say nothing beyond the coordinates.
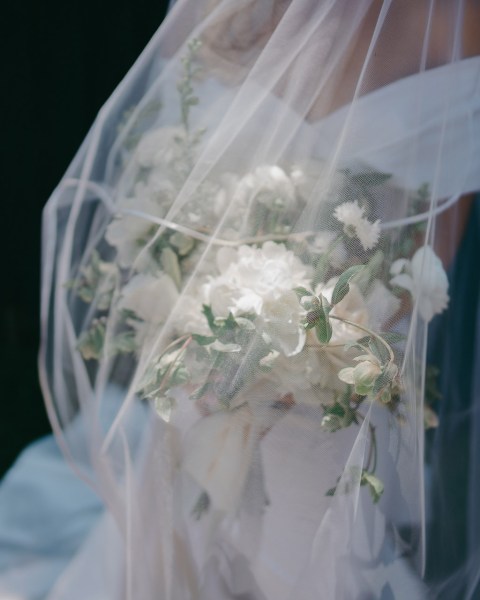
(243, 309)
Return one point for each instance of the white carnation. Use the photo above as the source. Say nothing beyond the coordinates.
(425, 279)
(355, 223)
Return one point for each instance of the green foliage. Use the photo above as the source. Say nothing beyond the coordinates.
(323, 327)
(201, 506)
(235, 350)
(342, 286)
(374, 485)
(338, 415)
(356, 477)
(163, 374)
(188, 99)
(123, 343)
(91, 342)
(96, 282)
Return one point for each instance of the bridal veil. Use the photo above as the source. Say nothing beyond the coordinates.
(239, 267)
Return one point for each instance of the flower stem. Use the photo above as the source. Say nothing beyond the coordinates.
(370, 332)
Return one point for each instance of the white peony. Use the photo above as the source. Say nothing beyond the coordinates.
(424, 277)
(252, 280)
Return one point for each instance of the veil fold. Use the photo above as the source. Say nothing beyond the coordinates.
(239, 268)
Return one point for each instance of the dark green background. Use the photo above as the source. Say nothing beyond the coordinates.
(61, 61)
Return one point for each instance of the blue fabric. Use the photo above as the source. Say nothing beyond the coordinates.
(46, 511)
(453, 449)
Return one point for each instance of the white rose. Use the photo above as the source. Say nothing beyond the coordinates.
(425, 279)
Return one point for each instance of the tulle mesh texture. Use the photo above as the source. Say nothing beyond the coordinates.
(238, 273)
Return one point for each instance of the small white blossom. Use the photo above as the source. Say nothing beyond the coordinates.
(425, 278)
(363, 375)
(356, 224)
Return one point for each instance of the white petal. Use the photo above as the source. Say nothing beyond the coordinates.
(218, 456)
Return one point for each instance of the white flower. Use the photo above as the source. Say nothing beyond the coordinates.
(252, 280)
(381, 304)
(129, 233)
(159, 147)
(355, 223)
(363, 375)
(219, 450)
(150, 298)
(269, 185)
(425, 279)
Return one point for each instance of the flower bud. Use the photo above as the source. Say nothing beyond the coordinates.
(363, 376)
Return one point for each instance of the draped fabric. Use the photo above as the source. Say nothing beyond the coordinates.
(239, 268)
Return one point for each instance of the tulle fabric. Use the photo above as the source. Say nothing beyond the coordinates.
(231, 100)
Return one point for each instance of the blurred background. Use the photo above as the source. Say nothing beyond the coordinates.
(61, 61)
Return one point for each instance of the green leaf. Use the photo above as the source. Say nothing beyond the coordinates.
(207, 311)
(358, 344)
(335, 409)
(392, 337)
(321, 269)
(171, 266)
(183, 243)
(370, 178)
(312, 317)
(203, 340)
(342, 286)
(164, 406)
(201, 506)
(302, 292)
(379, 350)
(124, 342)
(91, 342)
(375, 486)
(179, 376)
(229, 323)
(323, 328)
